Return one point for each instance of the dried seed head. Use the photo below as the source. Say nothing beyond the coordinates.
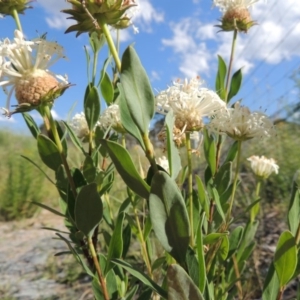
(35, 86)
(237, 19)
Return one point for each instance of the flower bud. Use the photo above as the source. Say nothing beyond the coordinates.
(111, 12)
(237, 19)
(7, 7)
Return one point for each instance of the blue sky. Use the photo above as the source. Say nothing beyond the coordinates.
(177, 39)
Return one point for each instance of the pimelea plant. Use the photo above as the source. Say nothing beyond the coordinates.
(191, 246)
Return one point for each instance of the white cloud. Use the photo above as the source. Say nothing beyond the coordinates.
(56, 19)
(7, 120)
(154, 76)
(146, 14)
(274, 39)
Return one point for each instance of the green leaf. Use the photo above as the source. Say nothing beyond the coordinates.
(232, 152)
(142, 277)
(147, 228)
(169, 216)
(48, 208)
(248, 237)
(235, 85)
(235, 239)
(224, 248)
(220, 79)
(285, 260)
(32, 126)
(173, 154)
(131, 293)
(192, 265)
(96, 41)
(210, 151)
(88, 209)
(88, 169)
(271, 285)
(137, 90)
(91, 106)
(48, 152)
(213, 238)
(202, 196)
(201, 259)
(126, 168)
(126, 240)
(38, 167)
(216, 199)
(223, 177)
(107, 89)
(62, 135)
(180, 285)
(294, 209)
(116, 242)
(126, 118)
(74, 138)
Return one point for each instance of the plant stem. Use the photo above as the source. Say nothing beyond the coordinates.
(98, 269)
(280, 294)
(143, 243)
(239, 150)
(238, 277)
(230, 63)
(17, 19)
(111, 44)
(220, 139)
(255, 209)
(95, 66)
(150, 152)
(48, 115)
(190, 184)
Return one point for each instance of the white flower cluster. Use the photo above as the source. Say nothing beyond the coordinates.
(111, 117)
(190, 103)
(80, 126)
(226, 5)
(240, 124)
(263, 167)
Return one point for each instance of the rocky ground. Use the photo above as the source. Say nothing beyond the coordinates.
(28, 268)
(30, 271)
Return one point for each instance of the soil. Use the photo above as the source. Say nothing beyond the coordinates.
(30, 271)
(28, 268)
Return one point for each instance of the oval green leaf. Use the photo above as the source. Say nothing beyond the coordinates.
(169, 216)
(285, 260)
(294, 209)
(88, 169)
(180, 285)
(137, 90)
(115, 248)
(126, 168)
(235, 85)
(220, 79)
(91, 106)
(48, 152)
(88, 209)
(32, 126)
(107, 89)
